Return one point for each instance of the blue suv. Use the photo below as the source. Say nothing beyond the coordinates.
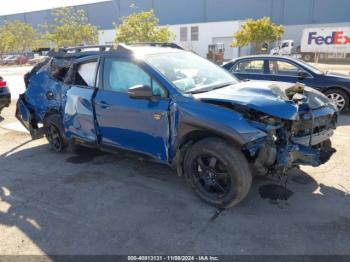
(179, 109)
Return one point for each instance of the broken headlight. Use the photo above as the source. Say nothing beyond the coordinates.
(269, 120)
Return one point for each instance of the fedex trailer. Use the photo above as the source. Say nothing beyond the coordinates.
(315, 41)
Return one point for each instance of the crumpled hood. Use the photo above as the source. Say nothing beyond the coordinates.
(266, 97)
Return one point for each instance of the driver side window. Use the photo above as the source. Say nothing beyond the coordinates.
(283, 68)
(120, 75)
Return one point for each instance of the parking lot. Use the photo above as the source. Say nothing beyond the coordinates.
(97, 203)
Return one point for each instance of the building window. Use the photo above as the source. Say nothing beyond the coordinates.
(194, 33)
(183, 34)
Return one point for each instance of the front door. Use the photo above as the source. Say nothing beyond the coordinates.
(141, 125)
(287, 72)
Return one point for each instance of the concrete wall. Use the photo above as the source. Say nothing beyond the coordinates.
(172, 12)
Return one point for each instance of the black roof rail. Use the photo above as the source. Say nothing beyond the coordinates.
(157, 44)
(66, 52)
(81, 51)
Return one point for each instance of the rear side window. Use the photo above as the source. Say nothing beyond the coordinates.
(58, 68)
(85, 74)
(249, 67)
(59, 73)
(120, 75)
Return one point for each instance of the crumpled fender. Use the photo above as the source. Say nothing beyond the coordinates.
(192, 116)
(36, 95)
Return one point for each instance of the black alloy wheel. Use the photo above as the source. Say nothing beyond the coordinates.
(211, 176)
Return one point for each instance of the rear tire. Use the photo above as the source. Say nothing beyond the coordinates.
(339, 97)
(218, 173)
(54, 132)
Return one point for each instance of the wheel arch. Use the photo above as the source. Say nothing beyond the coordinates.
(195, 134)
(337, 87)
(51, 112)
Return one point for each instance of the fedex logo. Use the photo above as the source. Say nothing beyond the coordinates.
(336, 38)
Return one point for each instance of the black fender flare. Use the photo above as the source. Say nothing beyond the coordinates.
(191, 132)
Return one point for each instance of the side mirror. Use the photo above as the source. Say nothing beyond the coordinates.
(140, 92)
(302, 74)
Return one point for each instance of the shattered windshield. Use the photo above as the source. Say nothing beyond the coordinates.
(189, 72)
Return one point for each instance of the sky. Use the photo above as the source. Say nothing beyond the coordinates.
(20, 6)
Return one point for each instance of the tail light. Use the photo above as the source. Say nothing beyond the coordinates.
(2, 83)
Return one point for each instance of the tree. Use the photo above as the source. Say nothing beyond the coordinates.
(257, 33)
(24, 36)
(142, 27)
(7, 40)
(17, 36)
(70, 28)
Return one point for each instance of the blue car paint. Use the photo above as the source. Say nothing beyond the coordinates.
(217, 119)
(78, 117)
(305, 155)
(104, 118)
(135, 124)
(36, 96)
(256, 95)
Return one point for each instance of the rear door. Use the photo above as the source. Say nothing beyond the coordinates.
(140, 125)
(250, 69)
(79, 116)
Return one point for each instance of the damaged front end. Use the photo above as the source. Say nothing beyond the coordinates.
(282, 150)
(298, 122)
(290, 143)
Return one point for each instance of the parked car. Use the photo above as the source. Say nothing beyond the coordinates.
(37, 60)
(7, 59)
(5, 95)
(15, 60)
(181, 110)
(288, 69)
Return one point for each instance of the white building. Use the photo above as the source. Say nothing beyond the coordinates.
(197, 37)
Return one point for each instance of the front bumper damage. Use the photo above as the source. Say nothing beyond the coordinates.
(296, 154)
(305, 141)
(276, 158)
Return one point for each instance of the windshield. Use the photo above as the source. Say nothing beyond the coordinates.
(189, 72)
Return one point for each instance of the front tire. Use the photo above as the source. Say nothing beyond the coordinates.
(218, 173)
(54, 132)
(339, 98)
